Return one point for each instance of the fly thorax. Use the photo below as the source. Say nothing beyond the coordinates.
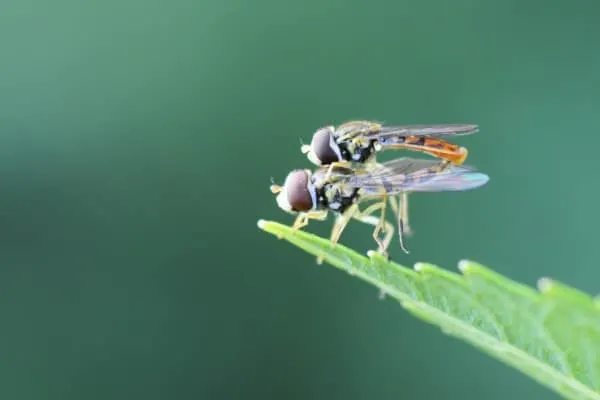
(337, 197)
(357, 150)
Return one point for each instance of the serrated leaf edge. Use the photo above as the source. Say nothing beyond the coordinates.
(547, 287)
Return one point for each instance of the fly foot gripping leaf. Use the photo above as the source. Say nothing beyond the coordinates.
(551, 334)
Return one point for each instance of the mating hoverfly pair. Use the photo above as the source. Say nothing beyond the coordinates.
(348, 175)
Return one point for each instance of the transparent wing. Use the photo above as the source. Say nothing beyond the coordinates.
(351, 129)
(416, 175)
(422, 130)
(400, 166)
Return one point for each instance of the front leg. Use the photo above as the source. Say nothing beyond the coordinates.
(303, 218)
(300, 222)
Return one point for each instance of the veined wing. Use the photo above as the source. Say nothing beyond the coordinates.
(351, 129)
(416, 175)
(403, 166)
(352, 173)
(423, 130)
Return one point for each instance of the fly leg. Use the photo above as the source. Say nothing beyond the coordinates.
(389, 228)
(404, 211)
(395, 205)
(300, 222)
(365, 216)
(400, 208)
(380, 224)
(330, 169)
(443, 165)
(303, 219)
(340, 224)
(402, 221)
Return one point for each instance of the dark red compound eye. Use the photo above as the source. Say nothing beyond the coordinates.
(296, 187)
(321, 146)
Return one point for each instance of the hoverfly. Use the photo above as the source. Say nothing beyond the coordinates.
(342, 189)
(359, 141)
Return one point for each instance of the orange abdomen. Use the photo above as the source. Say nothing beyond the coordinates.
(435, 147)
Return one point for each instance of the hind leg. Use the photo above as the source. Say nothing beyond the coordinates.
(400, 208)
(402, 215)
(380, 225)
(404, 212)
(365, 216)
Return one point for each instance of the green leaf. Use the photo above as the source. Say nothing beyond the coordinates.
(551, 335)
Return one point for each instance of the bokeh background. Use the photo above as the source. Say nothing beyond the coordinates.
(137, 143)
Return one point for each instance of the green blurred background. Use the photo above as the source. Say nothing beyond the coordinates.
(137, 143)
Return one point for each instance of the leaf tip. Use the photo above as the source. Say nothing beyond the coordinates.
(464, 266)
(552, 288)
(419, 266)
(545, 284)
(261, 224)
(427, 269)
(468, 267)
(382, 294)
(376, 256)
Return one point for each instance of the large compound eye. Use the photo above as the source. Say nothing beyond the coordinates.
(298, 194)
(321, 145)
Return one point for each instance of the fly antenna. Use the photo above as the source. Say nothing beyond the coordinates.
(304, 148)
(275, 188)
